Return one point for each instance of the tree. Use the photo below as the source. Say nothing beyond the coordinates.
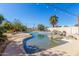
(23, 28)
(1, 18)
(7, 25)
(53, 20)
(2, 37)
(41, 27)
(19, 26)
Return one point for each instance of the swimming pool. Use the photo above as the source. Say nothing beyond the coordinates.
(39, 41)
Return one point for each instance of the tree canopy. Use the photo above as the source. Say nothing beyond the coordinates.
(53, 20)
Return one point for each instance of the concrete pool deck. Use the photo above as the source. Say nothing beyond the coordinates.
(15, 47)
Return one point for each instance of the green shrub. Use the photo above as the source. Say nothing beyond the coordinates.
(9, 31)
(2, 37)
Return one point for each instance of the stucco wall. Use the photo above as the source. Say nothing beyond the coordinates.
(69, 30)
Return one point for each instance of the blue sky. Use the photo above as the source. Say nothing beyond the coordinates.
(33, 14)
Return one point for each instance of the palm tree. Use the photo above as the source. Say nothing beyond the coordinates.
(1, 18)
(53, 20)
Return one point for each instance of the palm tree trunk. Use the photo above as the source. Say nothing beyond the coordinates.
(53, 25)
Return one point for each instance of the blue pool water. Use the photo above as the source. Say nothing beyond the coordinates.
(39, 41)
